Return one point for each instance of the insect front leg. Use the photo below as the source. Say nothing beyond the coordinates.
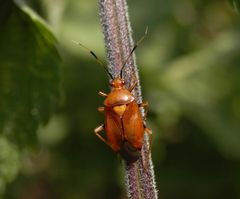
(102, 94)
(101, 109)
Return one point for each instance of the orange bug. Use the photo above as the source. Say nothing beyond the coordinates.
(124, 124)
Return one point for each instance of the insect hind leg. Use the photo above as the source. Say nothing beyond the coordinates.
(149, 132)
(145, 106)
(97, 131)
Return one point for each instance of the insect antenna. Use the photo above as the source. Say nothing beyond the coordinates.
(95, 57)
(134, 48)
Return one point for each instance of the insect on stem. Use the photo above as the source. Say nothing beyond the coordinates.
(114, 18)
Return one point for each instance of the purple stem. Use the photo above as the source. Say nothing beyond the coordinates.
(117, 32)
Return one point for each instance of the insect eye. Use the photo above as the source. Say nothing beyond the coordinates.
(123, 82)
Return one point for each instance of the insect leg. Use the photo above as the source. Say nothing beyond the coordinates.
(144, 160)
(97, 130)
(149, 132)
(102, 94)
(101, 109)
(145, 106)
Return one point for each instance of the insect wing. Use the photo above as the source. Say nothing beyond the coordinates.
(113, 128)
(133, 125)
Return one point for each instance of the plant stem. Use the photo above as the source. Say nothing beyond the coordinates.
(117, 32)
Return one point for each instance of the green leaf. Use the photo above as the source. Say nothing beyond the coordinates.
(29, 73)
(235, 4)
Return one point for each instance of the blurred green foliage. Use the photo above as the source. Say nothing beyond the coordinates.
(29, 79)
(189, 69)
(235, 4)
(29, 73)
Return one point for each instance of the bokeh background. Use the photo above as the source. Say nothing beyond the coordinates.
(189, 68)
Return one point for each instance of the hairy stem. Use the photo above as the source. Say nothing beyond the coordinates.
(140, 182)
